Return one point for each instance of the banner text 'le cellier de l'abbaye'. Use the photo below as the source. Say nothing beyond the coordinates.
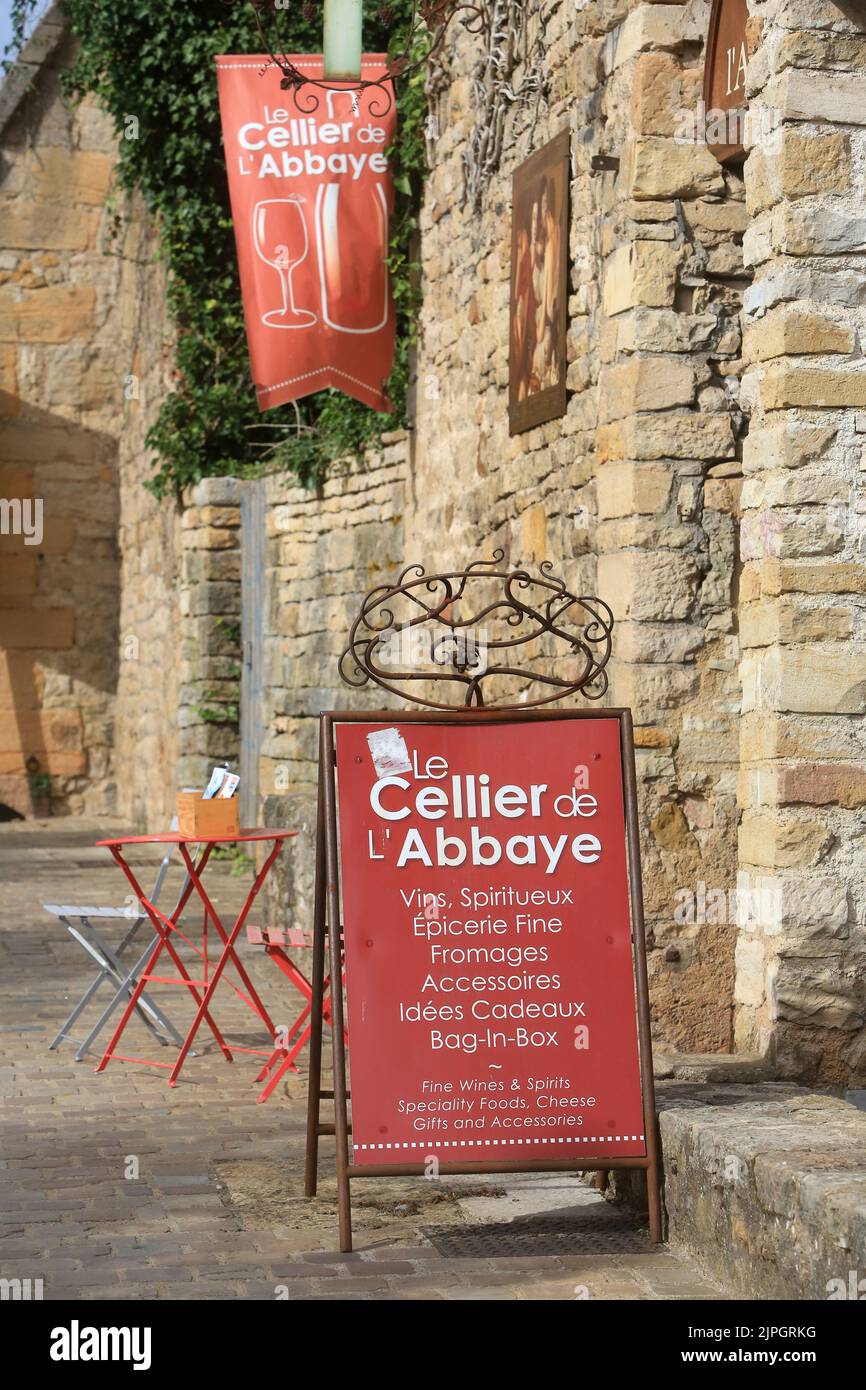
(311, 197)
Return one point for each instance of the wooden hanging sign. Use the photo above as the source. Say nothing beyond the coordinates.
(725, 70)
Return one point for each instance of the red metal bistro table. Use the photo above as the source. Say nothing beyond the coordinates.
(167, 926)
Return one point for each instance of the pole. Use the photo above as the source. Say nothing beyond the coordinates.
(342, 38)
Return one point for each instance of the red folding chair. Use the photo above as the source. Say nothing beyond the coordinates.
(297, 1037)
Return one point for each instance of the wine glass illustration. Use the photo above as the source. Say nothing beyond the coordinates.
(281, 240)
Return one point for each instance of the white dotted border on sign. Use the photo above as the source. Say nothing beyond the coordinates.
(264, 62)
(317, 371)
(487, 1143)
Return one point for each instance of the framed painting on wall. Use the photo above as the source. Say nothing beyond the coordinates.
(539, 286)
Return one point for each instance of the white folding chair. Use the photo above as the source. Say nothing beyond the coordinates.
(78, 921)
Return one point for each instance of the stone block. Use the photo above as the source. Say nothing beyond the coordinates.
(749, 988)
(76, 176)
(31, 226)
(664, 330)
(788, 621)
(722, 495)
(786, 446)
(717, 216)
(661, 168)
(762, 1184)
(832, 97)
(790, 282)
(814, 387)
(652, 690)
(812, 993)
(647, 26)
(656, 94)
(796, 331)
(645, 383)
(644, 272)
(823, 784)
(842, 577)
(650, 586)
(816, 49)
(817, 229)
(623, 489)
(671, 435)
(216, 492)
(53, 315)
(211, 538)
(789, 488)
(814, 680)
(814, 163)
(767, 843)
(801, 165)
(533, 535)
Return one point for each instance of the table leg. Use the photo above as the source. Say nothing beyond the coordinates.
(227, 953)
(256, 1004)
(126, 988)
(163, 926)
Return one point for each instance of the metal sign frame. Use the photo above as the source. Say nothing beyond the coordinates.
(327, 923)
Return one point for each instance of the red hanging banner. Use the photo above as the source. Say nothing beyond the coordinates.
(312, 197)
(488, 943)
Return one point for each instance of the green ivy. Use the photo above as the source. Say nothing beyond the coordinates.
(155, 62)
(229, 713)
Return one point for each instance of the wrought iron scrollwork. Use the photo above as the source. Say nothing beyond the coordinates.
(427, 24)
(482, 627)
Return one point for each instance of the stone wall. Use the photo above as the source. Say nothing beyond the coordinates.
(706, 487)
(210, 612)
(89, 619)
(801, 988)
(177, 698)
(149, 541)
(764, 1186)
(325, 549)
(632, 495)
(60, 314)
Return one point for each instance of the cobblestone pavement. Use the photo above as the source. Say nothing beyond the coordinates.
(216, 1209)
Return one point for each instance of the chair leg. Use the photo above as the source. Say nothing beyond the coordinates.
(116, 972)
(76, 1012)
(287, 1064)
(126, 988)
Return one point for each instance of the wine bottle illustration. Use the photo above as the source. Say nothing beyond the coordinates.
(354, 289)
